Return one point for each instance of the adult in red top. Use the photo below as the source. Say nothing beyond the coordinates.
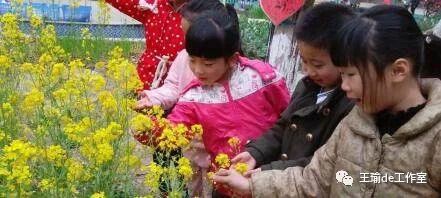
(163, 33)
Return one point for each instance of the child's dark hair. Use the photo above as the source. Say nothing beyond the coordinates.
(380, 36)
(195, 7)
(318, 25)
(214, 34)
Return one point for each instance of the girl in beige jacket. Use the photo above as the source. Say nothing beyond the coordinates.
(390, 144)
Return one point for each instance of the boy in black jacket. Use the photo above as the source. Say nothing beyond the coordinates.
(317, 105)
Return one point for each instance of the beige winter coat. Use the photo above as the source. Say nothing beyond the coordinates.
(412, 156)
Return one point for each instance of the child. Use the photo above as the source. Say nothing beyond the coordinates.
(394, 132)
(317, 105)
(231, 96)
(180, 74)
(163, 34)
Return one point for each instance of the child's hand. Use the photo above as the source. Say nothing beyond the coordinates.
(197, 144)
(142, 94)
(245, 157)
(250, 172)
(234, 180)
(143, 103)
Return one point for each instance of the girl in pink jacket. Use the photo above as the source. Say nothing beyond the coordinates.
(231, 96)
(180, 74)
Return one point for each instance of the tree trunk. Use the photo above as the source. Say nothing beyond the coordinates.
(283, 52)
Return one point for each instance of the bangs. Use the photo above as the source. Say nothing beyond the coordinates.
(354, 47)
(352, 44)
(205, 39)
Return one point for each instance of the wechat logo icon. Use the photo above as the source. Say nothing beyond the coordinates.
(343, 177)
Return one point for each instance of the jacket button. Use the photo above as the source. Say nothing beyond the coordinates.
(293, 127)
(309, 137)
(326, 111)
(284, 156)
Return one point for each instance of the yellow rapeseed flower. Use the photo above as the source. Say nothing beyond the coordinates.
(41, 131)
(134, 83)
(168, 140)
(58, 53)
(116, 53)
(5, 63)
(17, 155)
(61, 95)
(141, 123)
(98, 195)
(45, 59)
(222, 160)
(58, 70)
(109, 134)
(36, 21)
(13, 98)
(33, 99)
(78, 131)
(76, 171)
(153, 176)
(234, 142)
(10, 29)
(181, 129)
(72, 87)
(74, 66)
(46, 184)
(184, 168)
(97, 82)
(7, 109)
(52, 112)
(107, 101)
(182, 141)
(56, 155)
(116, 70)
(28, 67)
(48, 38)
(156, 110)
(241, 168)
(20, 175)
(104, 153)
(197, 129)
(2, 136)
(19, 151)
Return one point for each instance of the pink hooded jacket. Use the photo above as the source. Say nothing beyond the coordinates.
(244, 106)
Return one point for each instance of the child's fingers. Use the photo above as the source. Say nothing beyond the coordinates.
(238, 158)
(221, 179)
(250, 172)
(139, 106)
(142, 104)
(142, 94)
(198, 145)
(223, 172)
